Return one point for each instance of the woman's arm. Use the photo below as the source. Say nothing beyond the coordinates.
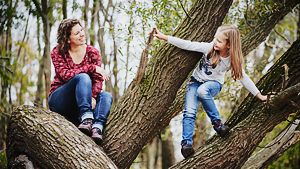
(202, 47)
(99, 75)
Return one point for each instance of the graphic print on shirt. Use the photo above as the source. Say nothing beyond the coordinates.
(205, 64)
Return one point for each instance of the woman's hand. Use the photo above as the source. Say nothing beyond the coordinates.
(159, 35)
(93, 103)
(103, 72)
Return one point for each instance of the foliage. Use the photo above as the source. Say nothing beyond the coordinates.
(3, 160)
(165, 15)
(289, 159)
(7, 12)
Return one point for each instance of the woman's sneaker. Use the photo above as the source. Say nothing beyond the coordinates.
(186, 149)
(220, 128)
(86, 126)
(97, 135)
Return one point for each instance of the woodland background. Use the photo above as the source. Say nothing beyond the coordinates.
(119, 29)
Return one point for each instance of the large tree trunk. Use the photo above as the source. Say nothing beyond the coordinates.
(140, 114)
(143, 109)
(253, 120)
(286, 139)
(135, 119)
(51, 141)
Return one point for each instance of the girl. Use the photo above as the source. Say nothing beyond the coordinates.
(222, 54)
(76, 90)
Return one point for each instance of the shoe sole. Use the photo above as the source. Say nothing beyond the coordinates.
(97, 140)
(224, 134)
(187, 152)
(85, 131)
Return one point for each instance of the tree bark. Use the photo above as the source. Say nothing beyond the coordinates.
(139, 102)
(286, 139)
(51, 141)
(253, 120)
(22, 162)
(136, 117)
(139, 115)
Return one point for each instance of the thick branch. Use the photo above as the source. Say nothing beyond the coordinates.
(280, 144)
(134, 120)
(51, 141)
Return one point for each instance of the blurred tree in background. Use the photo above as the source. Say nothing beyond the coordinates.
(120, 30)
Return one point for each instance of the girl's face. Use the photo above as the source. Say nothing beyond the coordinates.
(77, 36)
(220, 42)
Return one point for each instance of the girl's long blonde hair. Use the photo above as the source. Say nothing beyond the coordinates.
(232, 35)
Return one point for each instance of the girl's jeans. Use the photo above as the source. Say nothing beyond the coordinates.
(73, 100)
(196, 93)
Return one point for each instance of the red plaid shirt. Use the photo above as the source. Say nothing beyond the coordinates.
(66, 69)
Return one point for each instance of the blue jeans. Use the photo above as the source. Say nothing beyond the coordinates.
(73, 100)
(196, 93)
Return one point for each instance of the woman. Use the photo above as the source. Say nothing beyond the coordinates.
(76, 91)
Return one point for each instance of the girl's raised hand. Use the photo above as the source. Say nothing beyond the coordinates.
(159, 35)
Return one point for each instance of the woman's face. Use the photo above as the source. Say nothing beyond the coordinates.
(77, 36)
(220, 42)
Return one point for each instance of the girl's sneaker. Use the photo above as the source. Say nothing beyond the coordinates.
(220, 128)
(186, 149)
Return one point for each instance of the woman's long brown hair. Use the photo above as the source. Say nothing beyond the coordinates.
(63, 34)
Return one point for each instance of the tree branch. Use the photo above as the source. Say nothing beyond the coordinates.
(280, 144)
(51, 141)
(39, 9)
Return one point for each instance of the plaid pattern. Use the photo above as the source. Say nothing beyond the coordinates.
(66, 69)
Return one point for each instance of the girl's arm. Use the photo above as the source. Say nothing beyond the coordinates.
(202, 47)
(250, 86)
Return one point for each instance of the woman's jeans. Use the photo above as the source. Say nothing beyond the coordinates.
(74, 98)
(196, 93)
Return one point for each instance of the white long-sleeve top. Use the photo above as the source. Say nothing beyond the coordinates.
(204, 71)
